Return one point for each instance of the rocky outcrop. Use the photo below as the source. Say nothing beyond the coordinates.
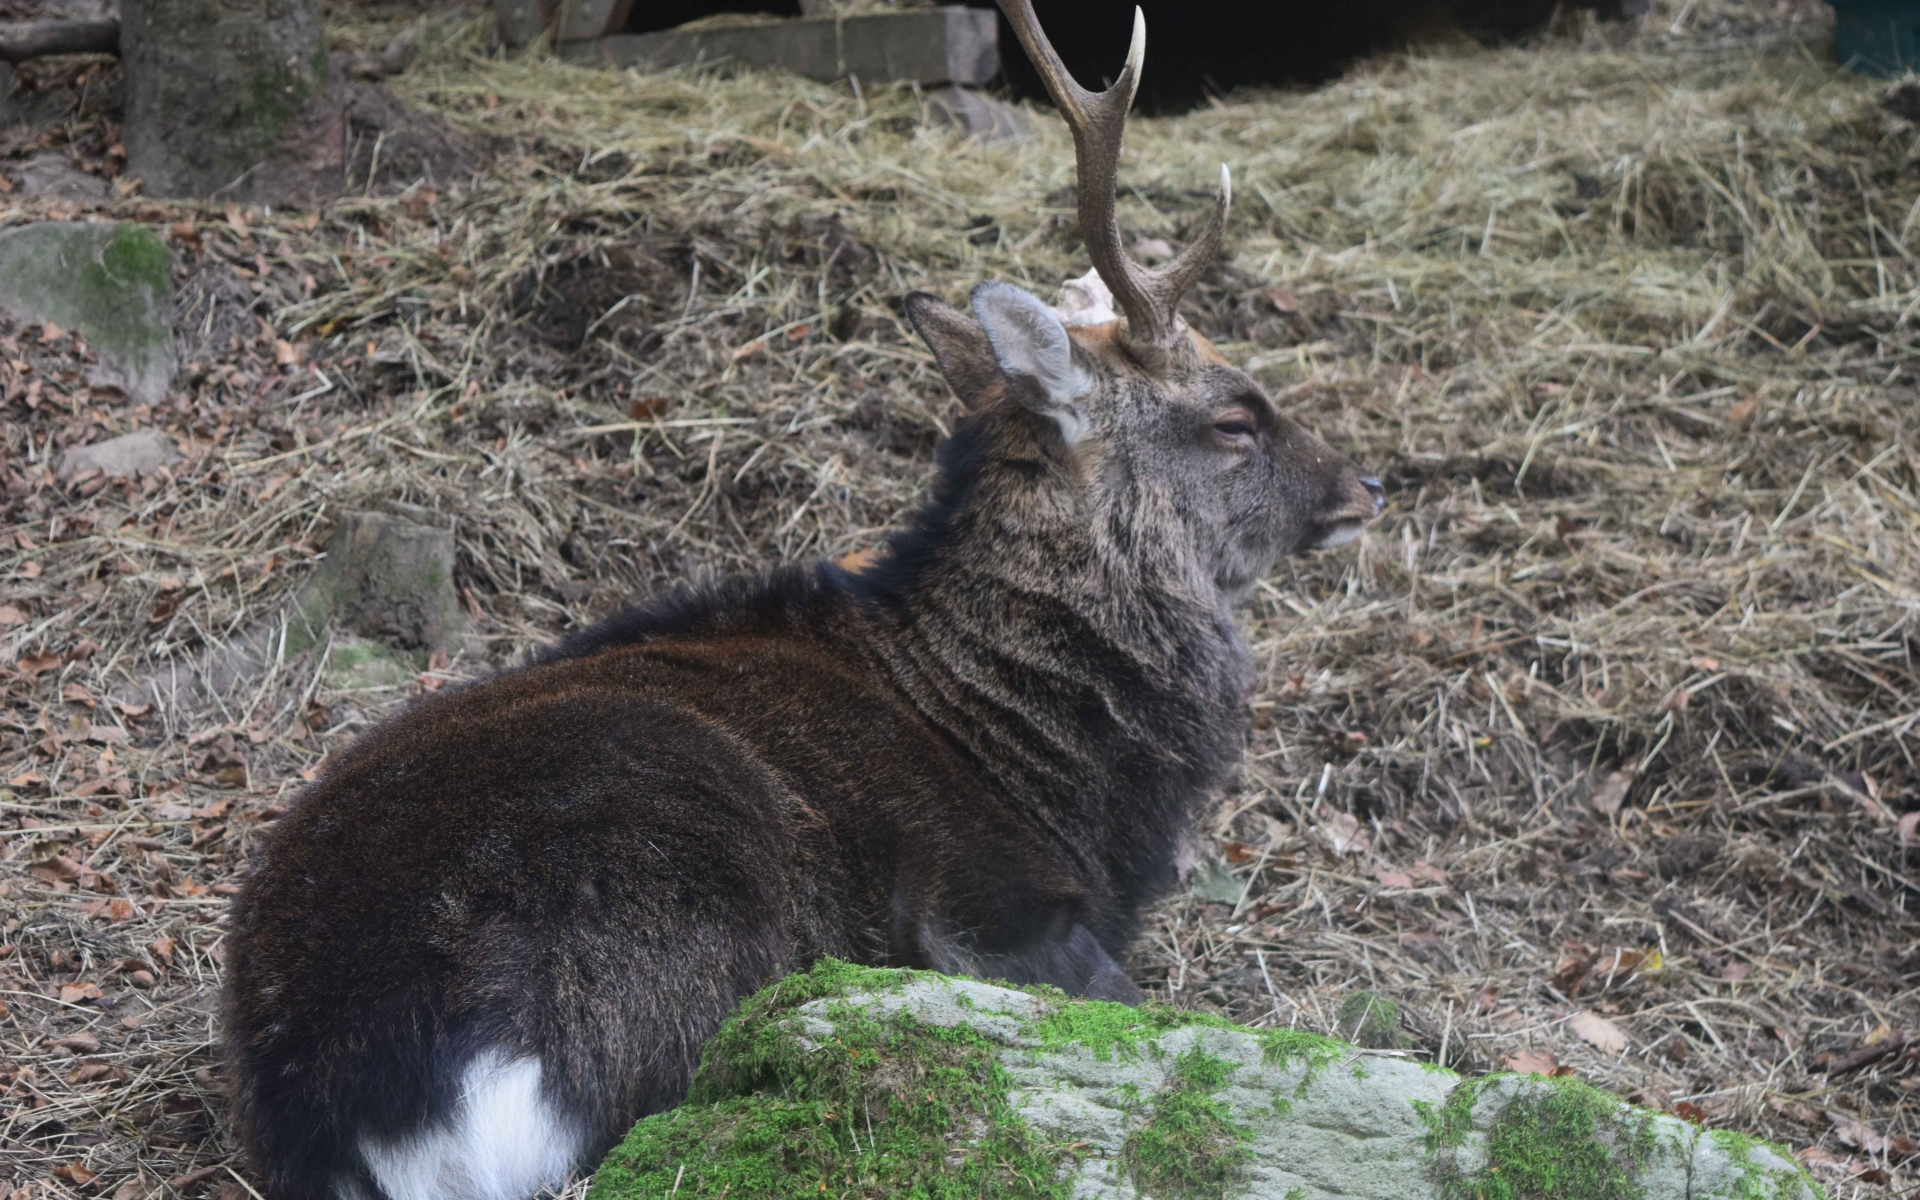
(860, 1082)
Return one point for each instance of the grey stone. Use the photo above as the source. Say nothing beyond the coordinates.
(929, 46)
(388, 580)
(113, 283)
(54, 175)
(521, 21)
(978, 116)
(1317, 1118)
(136, 453)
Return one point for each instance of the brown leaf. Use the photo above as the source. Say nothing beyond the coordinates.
(82, 1042)
(87, 1072)
(1603, 1035)
(1536, 1062)
(79, 993)
(58, 868)
(1908, 825)
(1854, 1132)
(76, 1172)
(1345, 836)
(1485, 999)
(106, 735)
(1237, 852)
(10, 616)
(1572, 970)
(1693, 1114)
(1425, 872)
(1613, 790)
(162, 948)
(133, 710)
(35, 664)
(1393, 879)
(1740, 414)
(135, 1188)
(1283, 299)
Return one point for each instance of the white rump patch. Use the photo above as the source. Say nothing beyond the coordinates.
(506, 1141)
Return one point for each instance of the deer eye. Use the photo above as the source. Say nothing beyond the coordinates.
(1235, 429)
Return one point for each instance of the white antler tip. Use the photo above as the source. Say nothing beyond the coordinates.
(1226, 186)
(1137, 49)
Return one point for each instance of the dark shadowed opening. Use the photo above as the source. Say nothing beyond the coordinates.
(1196, 51)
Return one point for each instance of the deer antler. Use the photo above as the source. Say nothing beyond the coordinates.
(1150, 296)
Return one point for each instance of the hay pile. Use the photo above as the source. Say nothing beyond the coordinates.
(1602, 736)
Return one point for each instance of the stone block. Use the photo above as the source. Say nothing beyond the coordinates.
(136, 453)
(387, 579)
(113, 283)
(929, 46)
(978, 116)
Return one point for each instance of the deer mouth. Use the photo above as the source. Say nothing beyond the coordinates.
(1362, 504)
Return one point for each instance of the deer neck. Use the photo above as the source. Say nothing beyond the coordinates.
(1090, 673)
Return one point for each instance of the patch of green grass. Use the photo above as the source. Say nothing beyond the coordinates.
(1189, 1149)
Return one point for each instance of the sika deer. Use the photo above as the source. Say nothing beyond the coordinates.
(499, 927)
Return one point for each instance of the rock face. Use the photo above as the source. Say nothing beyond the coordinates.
(386, 587)
(136, 453)
(113, 283)
(850, 1081)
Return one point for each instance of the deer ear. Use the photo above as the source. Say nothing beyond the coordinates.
(1028, 339)
(959, 346)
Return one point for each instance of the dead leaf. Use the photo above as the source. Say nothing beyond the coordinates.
(1237, 852)
(76, 1172)
(1740, 414)
(133, 710)
(162, 948)
(1854, 1132)
(1345, 836)
(135, 1188)
(1488, 996)
(106, 735)
(11, 616)
(49, 332)
(1907, 827)
(236, 221)
(1693, 1114)
(1393, 879)
(1537, 1062)
(1283, 299)
(79, 993)
(1612, 791)
(83, 1042)
(418, 201)
(1603, 1035)
(649, 407)
(1425, 872)
(32, 665)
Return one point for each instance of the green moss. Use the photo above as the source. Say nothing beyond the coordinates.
(135, 258)
(1556, 1139)
(880, 1107)
(1754, 1181)
(1189, 1148)
(1371, 1020)
(1109, 1029)
(1284, 1047)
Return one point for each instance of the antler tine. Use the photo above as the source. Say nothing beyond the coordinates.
(1098, 120)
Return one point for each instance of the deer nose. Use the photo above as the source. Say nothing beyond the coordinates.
(1374, 489)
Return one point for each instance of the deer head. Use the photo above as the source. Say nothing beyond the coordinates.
(1168, 443)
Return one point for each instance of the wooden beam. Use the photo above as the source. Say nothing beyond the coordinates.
(21, 40)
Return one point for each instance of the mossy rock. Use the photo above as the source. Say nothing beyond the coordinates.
(113, 283)
(386, 591)
(858, 1082)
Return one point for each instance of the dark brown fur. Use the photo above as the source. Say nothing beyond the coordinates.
(977, 753)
